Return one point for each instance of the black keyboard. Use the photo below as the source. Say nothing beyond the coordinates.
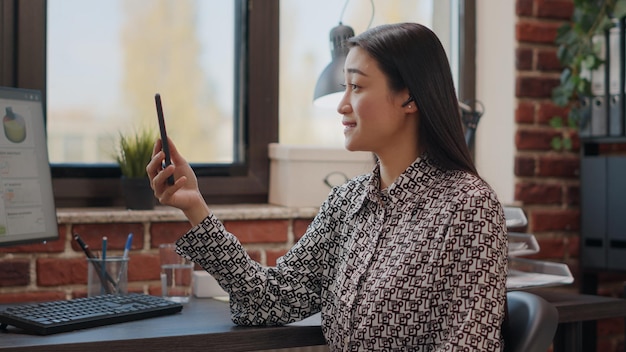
(80, 313)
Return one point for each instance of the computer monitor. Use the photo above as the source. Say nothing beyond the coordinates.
(27, 209)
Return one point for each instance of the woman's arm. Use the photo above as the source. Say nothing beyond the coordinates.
(474, 271)
(261, 295)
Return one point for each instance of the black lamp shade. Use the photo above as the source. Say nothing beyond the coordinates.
(331, 78)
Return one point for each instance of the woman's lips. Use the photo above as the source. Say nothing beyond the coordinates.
(347, 125)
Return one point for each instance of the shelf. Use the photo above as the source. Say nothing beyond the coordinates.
(603, 139)
(526, 273)
(521, 244)
(515, 217)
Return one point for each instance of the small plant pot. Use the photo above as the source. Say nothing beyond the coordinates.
(138, 194)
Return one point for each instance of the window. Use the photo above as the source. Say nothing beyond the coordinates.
(305, 52)
(234, 174)
(238, 175)
(107, 59)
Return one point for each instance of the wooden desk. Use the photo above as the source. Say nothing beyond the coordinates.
(205, 325)
(574, 309)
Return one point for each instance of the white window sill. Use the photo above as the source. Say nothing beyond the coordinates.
(168, 214)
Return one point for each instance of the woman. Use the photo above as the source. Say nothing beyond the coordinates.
(411, 257)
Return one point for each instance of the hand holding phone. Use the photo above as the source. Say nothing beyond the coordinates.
(164, 142)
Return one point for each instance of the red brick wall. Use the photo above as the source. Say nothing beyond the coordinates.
(547, 181)
(58, 269)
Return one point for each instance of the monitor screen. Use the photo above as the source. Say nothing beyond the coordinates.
(27, 209)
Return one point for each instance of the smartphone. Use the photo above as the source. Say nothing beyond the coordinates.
(164, 142)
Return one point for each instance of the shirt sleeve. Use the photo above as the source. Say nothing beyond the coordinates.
(261, 295)
(472, 275)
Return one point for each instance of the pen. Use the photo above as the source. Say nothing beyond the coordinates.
(104, 265)
(95, 263)
(104, 248)
(84, 247)
(129, 243)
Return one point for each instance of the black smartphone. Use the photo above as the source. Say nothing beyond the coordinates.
(164, 143)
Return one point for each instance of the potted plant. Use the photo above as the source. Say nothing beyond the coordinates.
(579, 54)
(133, 153)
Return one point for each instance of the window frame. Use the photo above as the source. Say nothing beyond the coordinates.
(23, 57)
(23, 65)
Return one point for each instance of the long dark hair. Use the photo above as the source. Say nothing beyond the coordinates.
(411, 56)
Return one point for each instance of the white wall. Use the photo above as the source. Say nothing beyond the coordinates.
(495, 88)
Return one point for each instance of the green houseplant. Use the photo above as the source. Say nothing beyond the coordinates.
(578, 53)
(132, 154)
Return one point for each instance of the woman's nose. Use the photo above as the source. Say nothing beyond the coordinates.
(343, 106)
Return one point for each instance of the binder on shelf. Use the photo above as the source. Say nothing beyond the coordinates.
(615, 219)
(615, 75)
(584, 122)
(599, 89)
(616, 122)
(598, 117)
(593, 206)
(584, 125)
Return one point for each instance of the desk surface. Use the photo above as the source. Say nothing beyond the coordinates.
(204, 324)
(577, 308)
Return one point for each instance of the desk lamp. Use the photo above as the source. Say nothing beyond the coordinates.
(328, 91)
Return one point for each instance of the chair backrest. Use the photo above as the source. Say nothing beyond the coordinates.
(532, 323)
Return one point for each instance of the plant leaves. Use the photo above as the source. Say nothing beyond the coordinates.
(567, 143)
(556, 122)
(556, 143)
(580, 53)
(560, 96)
(134, 152)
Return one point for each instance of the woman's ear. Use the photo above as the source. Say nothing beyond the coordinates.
(409, 105)
(408, 101)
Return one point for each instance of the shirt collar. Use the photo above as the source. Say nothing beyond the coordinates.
(410, 184)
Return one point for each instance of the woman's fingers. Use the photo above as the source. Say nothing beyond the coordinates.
(168, 191)
(175, 157)
(154, 166)
(157, 147)
(157, 175)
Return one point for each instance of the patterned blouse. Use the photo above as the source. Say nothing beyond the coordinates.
(420, 266)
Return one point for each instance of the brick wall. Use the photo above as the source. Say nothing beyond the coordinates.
(58, 269)
(547, 181)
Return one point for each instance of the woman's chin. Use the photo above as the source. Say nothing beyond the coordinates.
(351, 147)
(352, 144)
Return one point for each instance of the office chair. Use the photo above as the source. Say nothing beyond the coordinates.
(532, 323)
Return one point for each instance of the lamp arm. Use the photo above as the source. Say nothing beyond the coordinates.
(345, 4)
(470, 118)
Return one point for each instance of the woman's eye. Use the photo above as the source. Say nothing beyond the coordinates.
(349, 85)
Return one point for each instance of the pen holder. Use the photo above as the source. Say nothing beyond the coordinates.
(108, 276)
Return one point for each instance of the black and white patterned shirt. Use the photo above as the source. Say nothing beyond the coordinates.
(420, 266)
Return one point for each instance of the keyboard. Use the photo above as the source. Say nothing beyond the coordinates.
(80, 313)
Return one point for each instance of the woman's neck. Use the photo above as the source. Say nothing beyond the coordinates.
(394, 164)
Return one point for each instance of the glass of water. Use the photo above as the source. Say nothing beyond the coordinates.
(176, 274)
